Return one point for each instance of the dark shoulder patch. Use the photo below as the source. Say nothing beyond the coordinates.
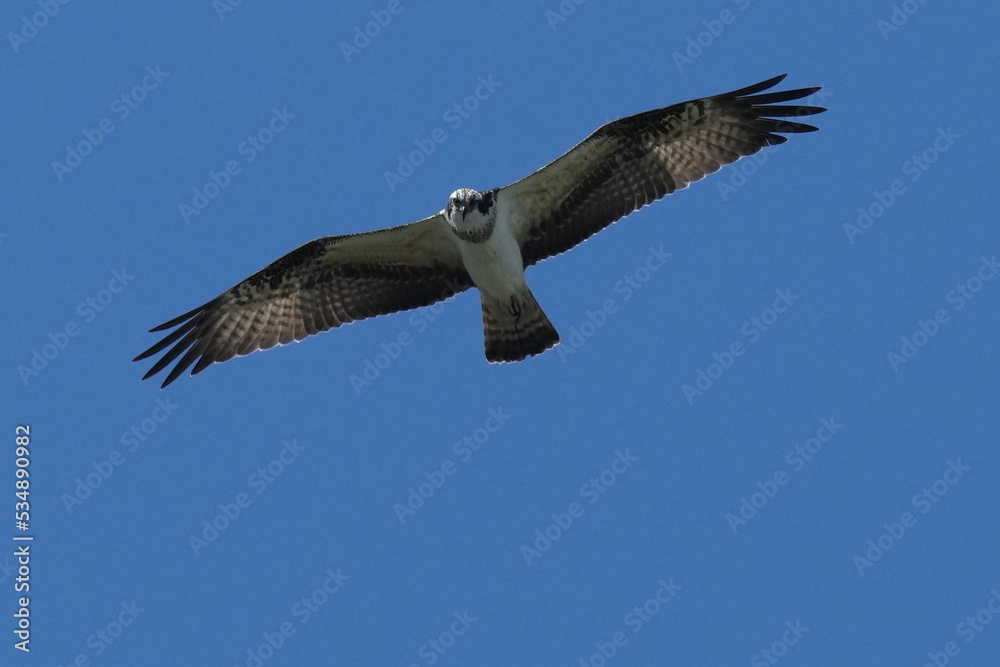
(486, 200)
(274, 272)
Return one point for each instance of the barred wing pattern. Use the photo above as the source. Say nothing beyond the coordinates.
(623, 166)
(323, 284)
(631, 162)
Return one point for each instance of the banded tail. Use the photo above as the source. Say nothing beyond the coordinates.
(516, 328)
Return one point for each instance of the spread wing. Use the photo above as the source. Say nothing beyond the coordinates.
(631, 162)
(321, 285)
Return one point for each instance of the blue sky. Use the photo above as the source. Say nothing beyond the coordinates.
(769, 435)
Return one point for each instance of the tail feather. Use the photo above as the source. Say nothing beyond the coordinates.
(516, 328)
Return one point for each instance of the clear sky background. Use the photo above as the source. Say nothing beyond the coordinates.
(639, 495)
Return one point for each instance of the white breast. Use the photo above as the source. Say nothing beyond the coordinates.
(495, 265)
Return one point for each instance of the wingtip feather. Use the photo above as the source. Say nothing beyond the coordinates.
(755, 88)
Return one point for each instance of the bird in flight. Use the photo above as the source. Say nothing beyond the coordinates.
(484, 239)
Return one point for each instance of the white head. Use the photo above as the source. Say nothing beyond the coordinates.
(470, 214)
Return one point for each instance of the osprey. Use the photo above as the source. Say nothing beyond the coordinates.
(484, 239)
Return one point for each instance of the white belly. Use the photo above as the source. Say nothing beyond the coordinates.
(495, 265)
